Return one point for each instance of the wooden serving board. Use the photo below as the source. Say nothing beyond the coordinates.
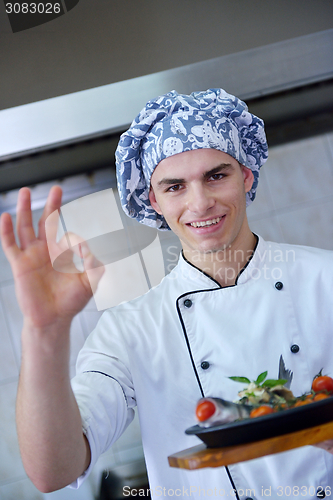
(200, 456)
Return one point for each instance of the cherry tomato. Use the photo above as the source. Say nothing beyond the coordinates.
(322, 383)
(302, 402)
(261, 410)
(320, 396)
(205, 409)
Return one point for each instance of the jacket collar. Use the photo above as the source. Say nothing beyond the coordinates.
(198, 279)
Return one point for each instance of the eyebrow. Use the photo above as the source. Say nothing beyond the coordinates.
(167, 181)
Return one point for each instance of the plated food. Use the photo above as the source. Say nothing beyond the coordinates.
(258, 398)
(231, 423)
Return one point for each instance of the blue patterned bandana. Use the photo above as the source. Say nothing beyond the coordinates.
(174, 123)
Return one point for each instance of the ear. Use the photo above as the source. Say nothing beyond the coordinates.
(248, 178)
(153, 202)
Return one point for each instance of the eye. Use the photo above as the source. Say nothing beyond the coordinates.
(173, 188)
(216, 177)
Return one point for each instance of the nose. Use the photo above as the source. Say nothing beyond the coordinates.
(199, 200)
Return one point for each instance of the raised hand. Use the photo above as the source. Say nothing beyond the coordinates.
(45, 296)
(53, 448)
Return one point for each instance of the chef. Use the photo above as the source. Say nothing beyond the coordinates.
(232, 306)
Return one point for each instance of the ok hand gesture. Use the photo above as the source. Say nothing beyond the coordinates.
(45, 296)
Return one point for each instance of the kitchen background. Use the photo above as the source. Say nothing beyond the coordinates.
(294, 204)
(121, 40)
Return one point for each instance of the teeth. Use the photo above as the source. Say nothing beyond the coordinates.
(206, 222)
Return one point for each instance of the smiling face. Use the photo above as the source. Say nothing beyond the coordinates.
(201, 194)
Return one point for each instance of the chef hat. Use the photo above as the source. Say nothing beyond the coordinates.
(174, 123)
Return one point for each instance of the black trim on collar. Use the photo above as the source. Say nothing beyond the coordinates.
(238, 275)
(200, 270)
(248, 262)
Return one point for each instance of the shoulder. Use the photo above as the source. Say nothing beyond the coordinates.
(308, 260)
(306, 253)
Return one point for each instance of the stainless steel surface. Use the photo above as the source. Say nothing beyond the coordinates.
(110, 108)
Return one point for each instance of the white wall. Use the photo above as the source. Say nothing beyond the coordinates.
(294, 203)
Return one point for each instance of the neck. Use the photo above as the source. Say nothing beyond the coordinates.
(224, 265)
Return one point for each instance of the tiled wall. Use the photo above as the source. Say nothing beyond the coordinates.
(294, 204)
(295, 195)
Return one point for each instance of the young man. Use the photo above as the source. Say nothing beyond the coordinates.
(233, 305)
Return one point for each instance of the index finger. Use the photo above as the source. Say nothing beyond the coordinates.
(7, 236)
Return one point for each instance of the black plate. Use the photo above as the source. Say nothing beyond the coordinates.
(268, 426)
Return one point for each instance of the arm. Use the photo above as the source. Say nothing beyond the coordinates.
(53, 448)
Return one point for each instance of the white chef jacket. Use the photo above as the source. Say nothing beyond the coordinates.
(149, 353)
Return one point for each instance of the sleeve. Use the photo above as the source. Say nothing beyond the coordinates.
(103, 389)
